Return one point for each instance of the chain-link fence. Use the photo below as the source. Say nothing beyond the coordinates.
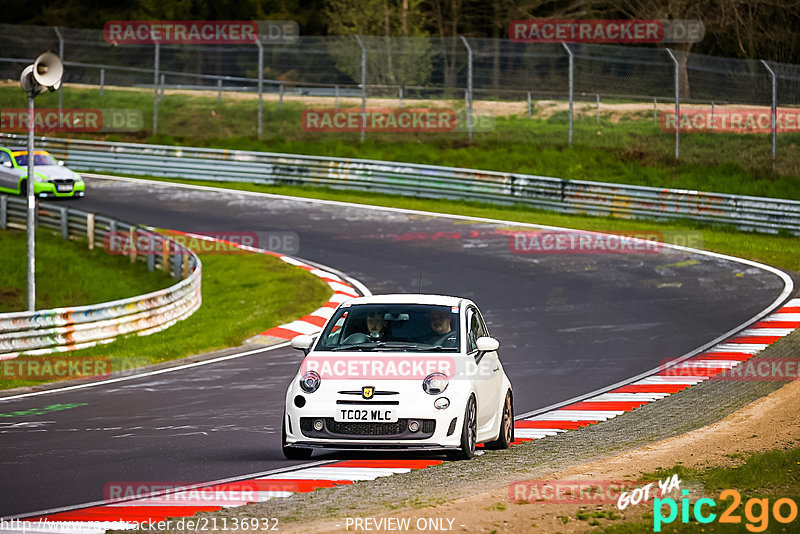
(462, 69)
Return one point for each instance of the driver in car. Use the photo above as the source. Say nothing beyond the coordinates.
(440, 324)
(376, 325)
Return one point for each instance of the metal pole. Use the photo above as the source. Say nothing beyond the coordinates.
(655, 111)
(363, 87)
(774, 111)
(60, 55)
(336, 97)
(712, 114)
(571, 67)
(529, 105)
(260, 85)
(163, 82)
(102, 80)
(598, 109)
(31, 207)
(155, 90)
(219, 89)
(677, 105)
(469, 87)
(280, 98)
(400, 97)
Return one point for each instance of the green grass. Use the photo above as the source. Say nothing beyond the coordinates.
(770, 475)
(68, 274)
(633, 150)
(243, 295)
(778, 250)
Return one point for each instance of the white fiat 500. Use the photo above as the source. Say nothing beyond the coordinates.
(399, 372)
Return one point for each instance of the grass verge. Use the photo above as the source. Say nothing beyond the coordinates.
(68, 273)
(242, 296)
(624, 147)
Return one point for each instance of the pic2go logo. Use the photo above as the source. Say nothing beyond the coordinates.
(756, 511)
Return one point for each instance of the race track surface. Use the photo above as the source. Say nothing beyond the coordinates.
(568, 324)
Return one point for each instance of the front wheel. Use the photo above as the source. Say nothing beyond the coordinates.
(289, 452)
(506, 434)
(469, 433)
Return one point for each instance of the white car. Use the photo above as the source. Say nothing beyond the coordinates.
(410, 372)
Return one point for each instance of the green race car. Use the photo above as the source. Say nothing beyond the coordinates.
(52, 178)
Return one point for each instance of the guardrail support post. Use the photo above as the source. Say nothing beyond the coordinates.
(219, 89)
(280, 98)
(363, 87)
(151, 253)
(165, 254)
(133, 244)
(677, 104)
(176, 265)
(65, 223)
(185, 269)
(469, 87)
(102, 80)
(571, 85)
(774, 111)
(90, 230)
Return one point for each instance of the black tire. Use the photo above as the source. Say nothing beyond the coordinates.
(506, 434)
(469, 433)
(289, 452)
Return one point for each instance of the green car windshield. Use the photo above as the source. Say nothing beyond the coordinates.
(392, 327)
(38, 159)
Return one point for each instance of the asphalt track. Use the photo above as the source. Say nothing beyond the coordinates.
(568, 324)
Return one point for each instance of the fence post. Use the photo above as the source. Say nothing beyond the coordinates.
(571, 79)
(151, 252)
(469, 86)
(529, 104)
(61, 56)
(165, 254)
(133, 244)
(155, 89)
(363, 87)
(3, 212)
(260, 85)
(400, 97)
(336, 97)
(102, 80)
(280, 97)
(598, 108)
(163, 82)
(219, 90)
(712, 114)
(655, 110)
(774, 111)
(65, 223)
(677, 104)
(90, 230)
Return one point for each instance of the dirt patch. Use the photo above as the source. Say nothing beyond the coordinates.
(768, 423)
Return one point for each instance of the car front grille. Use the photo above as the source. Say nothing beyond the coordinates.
(398, 430)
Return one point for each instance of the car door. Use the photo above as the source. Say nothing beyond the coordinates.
(9, 177)
(488, 377)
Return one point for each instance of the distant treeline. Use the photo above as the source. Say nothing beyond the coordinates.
(755, 29)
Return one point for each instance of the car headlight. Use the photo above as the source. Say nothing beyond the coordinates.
(309, 382)
(435, 383)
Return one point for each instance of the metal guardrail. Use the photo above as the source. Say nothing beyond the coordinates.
(72, 328)
(555, 194)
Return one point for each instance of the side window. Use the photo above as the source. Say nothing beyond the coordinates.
(5, 159)
(476, 329)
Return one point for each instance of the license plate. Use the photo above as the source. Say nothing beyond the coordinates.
(63, 188)
(365, 415)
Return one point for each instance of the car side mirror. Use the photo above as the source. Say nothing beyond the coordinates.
(60, 163)
(485, 344)
(302, 342)
(7, 164)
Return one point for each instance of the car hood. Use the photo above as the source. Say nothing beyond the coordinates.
(54, 172)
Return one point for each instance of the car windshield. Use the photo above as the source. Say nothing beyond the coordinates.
(38, 159)
(392, 327)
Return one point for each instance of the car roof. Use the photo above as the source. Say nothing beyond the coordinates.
(409, 298)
